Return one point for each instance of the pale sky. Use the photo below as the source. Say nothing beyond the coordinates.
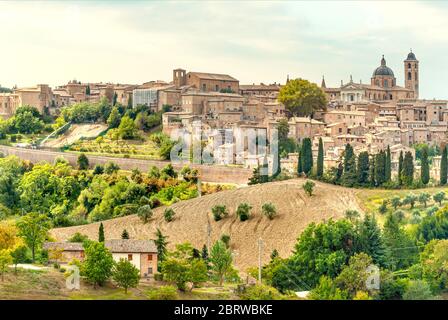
(254, 41)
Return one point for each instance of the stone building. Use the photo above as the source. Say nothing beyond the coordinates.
(383, 85)
(141, 253)
(206, 82)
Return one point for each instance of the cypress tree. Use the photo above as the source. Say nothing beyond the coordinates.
(348, 154)
(307, 156)
(408, 169)
(161, 245)
(400, 169)
(125, 234)
(372, 171)
(299, 164)
(380, 168)
(339, 172)
(388, 165)
(444, 167)
(349, 178)
(101, 237)
(320, 160)
(363, 168)
(424, 171)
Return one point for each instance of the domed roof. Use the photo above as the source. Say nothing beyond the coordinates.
(383, 70)
(411, 56)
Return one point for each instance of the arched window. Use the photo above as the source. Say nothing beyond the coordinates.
(377, 82)
(409, 76)
(409, 65)
(391, 97)
(386, 83)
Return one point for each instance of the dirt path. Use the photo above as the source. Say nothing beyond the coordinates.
(76, 132)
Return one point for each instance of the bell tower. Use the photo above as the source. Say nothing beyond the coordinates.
(411, 73)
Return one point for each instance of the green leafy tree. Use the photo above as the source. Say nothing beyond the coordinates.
(180, 267)
(125, 274)
(98, 263)
(353, 277)
(220, 260)
(327, 289)
(418, 290)
(145, 213)
(19, 255)
(302, 98)
(434, 262)
(424, 172)
(308, 187)
(114, 118)
(33, 228)
(423, 198)
(320, 160)
(321, 249)
(83, 162)
(269, 210)
(127, 128)
(410, 199)
(439, 197)
(5, 261)
(101, 237)
(444, 166)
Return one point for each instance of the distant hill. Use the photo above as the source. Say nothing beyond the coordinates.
(295, 211)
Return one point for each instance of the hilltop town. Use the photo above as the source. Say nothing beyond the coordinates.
(370, 116)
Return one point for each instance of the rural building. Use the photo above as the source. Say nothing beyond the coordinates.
(141, 253)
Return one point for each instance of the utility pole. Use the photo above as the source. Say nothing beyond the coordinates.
(209, 232)
(260, 248)
(199, 187)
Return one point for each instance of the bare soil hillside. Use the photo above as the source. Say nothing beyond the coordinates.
(76, 132)
(295, 211)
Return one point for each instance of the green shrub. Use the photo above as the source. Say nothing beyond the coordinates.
(169, 214)
(243, 211)
(163, 293)
(219, 212)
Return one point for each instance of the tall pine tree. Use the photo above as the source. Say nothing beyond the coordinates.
(371, 241)
(424, 171)
(444, 167)
(320, 160)
(372, 182)
(348, 154)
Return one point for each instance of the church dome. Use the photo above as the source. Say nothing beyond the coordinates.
(383, 70)
(411, 56)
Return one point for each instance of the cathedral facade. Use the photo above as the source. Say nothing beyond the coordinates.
(383, 86)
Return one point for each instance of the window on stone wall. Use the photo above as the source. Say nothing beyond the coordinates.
(149, 257)
(129, 257)
(409, 76)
